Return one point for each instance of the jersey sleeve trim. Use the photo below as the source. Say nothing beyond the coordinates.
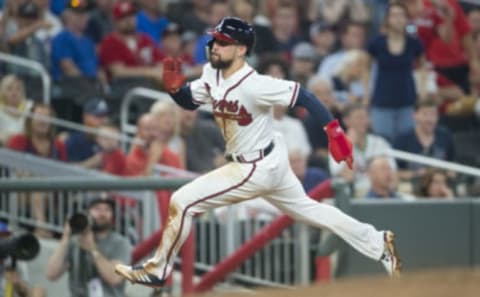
(293, 100)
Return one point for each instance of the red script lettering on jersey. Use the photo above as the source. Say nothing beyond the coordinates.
(231, 111)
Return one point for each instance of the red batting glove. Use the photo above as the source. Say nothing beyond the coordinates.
(173, 78)
(338, 143)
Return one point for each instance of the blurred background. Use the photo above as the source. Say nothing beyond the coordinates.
(91, 147)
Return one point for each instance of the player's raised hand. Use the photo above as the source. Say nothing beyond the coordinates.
(338, 143)
(173, 78)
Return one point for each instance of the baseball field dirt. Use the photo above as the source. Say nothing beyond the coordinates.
(440, 283)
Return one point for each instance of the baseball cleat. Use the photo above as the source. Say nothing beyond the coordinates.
(138, 274)
(390, 258)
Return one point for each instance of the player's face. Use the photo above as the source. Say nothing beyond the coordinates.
(223, 54)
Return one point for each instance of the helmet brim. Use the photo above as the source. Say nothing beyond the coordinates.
(221, 36)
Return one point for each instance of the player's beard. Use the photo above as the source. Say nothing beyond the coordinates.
(219, 64)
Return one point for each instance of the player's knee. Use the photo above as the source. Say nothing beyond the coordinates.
(178, 201)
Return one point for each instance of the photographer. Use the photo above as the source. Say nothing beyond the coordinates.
(90, 256)
(13, 274)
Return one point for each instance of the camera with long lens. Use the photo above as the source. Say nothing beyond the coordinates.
(79, 222)
(23, 247)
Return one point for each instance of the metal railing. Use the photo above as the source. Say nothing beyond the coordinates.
(137, 211)
(66, 189)
(35, 66)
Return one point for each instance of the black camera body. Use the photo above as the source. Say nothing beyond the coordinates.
(79, 222)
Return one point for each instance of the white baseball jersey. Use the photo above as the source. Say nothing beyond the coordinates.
(242, 105)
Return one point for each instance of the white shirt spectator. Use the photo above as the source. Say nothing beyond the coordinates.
(293, 130)
(375, 146)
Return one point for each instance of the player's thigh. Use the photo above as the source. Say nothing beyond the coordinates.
(226, 185)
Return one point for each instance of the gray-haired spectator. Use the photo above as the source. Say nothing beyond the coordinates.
(383, 180)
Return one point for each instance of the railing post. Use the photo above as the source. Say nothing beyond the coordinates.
(303, 255)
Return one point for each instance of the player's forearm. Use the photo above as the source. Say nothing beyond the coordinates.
(319, 112)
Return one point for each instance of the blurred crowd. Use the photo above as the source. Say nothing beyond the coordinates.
(398, 74)
(404, 75)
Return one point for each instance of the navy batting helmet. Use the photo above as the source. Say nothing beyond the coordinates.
(233, 30)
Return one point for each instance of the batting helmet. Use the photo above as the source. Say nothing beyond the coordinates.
(233, 30)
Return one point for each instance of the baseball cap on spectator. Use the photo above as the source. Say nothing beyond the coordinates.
(304, 51)
(28, 10)
(96, 107)
(171, 29)
(123, 9)
(80, 6)
(99, 199)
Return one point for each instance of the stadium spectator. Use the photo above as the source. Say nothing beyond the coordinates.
(474, 20)
(303, 62)
(172, 46)
(218, 10)
(337, 12)
(166, 114)
(8, 20)
(142, 158)
(352, 36)
(204, 144)
(351, 80)
(82, 145)
(291, 129)
(426, 138)
(323, 38)
(196, 17)
(126, 53)
(110, 158)
(446, 35)
(100, 21)
(274, 66)
(394, 92)
(46, 34)
(39, 138)
(308, 176)
(150, 20)
(434, 184)
(73, 54)
(90, 257)
(22, 40)
(383, 180)
(285, 24)
(365, 147)
(13, 107)
(323, 90)
(245, 10)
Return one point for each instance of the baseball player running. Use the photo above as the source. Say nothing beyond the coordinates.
(258, 164)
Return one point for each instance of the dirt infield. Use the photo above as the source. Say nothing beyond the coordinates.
(444, 283)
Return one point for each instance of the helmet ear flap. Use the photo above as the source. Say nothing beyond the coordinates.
(208, 48)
